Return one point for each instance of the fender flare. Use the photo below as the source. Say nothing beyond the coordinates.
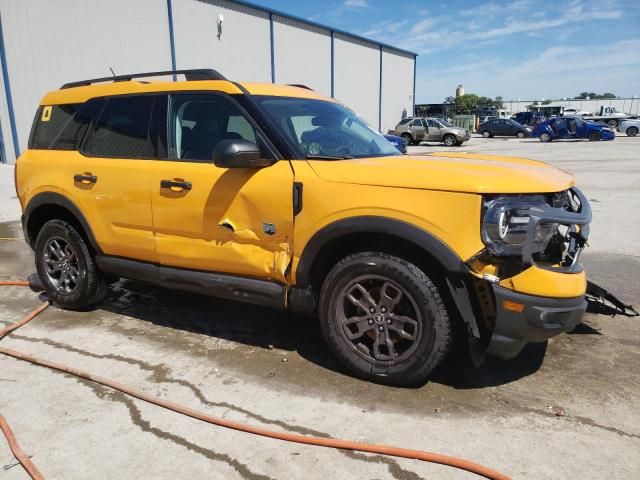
(456, 269)
(53, 198)
(372, 224)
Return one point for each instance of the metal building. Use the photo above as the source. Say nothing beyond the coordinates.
(45, 43)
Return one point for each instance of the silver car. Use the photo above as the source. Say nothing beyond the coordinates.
(630, 127)
(416, 130)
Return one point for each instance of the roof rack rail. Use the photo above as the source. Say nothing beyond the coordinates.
(300, 85)
(191, 75)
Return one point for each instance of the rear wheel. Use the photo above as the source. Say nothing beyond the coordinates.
(449, 140)
(408, 138)
(384, 319)
(520, 135)
(486, 134)
(612, 123)
(632, 131)
(594, 136)
(545, 137)
(66, 267)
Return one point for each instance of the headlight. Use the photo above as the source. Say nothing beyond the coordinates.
(506, 221)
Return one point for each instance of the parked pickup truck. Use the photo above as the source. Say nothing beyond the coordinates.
(630, 127)
(416, 130)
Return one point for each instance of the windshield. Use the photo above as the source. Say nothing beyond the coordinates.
(318, 128)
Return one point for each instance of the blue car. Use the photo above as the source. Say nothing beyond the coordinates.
(398, 142)
(572, 127)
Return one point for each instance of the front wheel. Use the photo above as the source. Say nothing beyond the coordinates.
(520, 135)
(545, 137)
(66, 267)
(632, 131)
(449, 140)
(594, 136)
(384, 319)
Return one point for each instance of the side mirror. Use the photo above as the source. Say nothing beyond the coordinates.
(236, 153)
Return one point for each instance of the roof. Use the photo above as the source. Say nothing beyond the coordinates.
(279, 13)
(83, 93)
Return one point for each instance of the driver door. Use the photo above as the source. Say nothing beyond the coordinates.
(232, 220)
(434, 131)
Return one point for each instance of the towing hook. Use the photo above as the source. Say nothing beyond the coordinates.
(603, 302)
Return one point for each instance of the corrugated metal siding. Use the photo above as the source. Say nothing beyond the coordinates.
(357, 76)
(397, 88)
(302, 54)
(241, 53)
(49, 43)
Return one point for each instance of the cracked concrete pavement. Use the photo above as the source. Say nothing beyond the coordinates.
(226, 359)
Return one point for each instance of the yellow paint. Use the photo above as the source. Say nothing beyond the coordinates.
(218, 224)
(46, 113)
(545, 283)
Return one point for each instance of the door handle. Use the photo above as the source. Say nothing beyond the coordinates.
(85, 178)
(175, 184)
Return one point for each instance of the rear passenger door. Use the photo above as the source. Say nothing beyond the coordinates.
(418, 129)
(231, 220)
(108, 179)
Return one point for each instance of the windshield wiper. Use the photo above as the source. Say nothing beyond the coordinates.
(328, 157)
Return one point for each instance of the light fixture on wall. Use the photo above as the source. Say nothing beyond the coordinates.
(220, 20)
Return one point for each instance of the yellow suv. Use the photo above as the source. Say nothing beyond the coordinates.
(279, 196)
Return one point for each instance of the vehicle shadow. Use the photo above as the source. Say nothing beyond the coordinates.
(268, 328)
(460, 373)
(256, 326)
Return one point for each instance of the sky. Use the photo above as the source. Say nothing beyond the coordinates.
(527, 49)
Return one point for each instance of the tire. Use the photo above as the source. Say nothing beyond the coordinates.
(420, 341)
(408, 138)
(449, 140)
(520, 135)
(594, 136)
(545, 137)
(632, 131)
(612, 123)
(60, 252)
(486, 134)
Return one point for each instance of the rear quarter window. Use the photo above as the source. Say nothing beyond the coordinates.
(62, 127)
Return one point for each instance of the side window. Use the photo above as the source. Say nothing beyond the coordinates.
(122, 129)
(197, 122)
(417, 123)
(62, 127)
(404, 121)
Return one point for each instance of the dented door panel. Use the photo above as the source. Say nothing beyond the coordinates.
(230, 220)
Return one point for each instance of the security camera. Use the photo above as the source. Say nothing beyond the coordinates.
(220, 18)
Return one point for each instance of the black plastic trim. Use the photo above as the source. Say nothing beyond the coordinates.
(230, 287)
(52, 198)
(297, 198)
(191, 75)
(540, 319)
(371, 224)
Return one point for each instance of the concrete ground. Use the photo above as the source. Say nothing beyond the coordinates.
(566, 409)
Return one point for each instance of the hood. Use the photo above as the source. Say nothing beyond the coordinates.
(454, 172)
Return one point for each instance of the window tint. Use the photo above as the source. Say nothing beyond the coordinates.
(404, 121)
(199, 121)
(62, 127)
(417, 123)
(122, 130)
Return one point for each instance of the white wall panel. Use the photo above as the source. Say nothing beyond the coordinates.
(357, 76)
(397, 87)
(302, 54)
(243, 51)
(49, 43)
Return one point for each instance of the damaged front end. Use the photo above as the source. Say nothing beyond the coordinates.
(528, 280)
